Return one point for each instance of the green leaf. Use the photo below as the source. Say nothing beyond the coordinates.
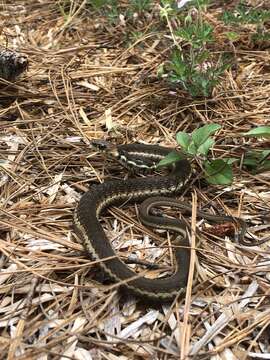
(177, 64)
(257, 161)
(171, 158)
(218, 172)
(160, 71)
(250, 162)
(183, 139)
(199, 136)
(232, 36)
(192, 149)
(230, 160)
(265, 154)
(202, 56)
(204, 148)
(260, 131)
(262, 168)
(166, 11)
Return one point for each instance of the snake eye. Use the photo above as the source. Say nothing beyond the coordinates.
(101, 145)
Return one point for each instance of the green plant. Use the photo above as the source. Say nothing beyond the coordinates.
(232, 36)
(112, 8)
(258, 160)
(97, 4)
(260, 131)
(196, 35)
(108, 8)
(194, 72)
(217, 171)
(135, 37)
(140, 5)
(243, 14)
(192, 66)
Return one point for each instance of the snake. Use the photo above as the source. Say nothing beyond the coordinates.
(150, 191)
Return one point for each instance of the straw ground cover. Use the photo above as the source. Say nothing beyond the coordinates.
(94, 75)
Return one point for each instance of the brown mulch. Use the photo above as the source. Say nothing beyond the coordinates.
(90, 79)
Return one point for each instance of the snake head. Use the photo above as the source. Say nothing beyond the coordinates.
(106, 147)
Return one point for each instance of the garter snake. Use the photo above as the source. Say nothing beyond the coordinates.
(150, 190)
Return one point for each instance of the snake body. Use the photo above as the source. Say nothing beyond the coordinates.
(152, 191)
(100, 197)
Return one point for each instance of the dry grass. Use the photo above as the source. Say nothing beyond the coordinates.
(86, 81)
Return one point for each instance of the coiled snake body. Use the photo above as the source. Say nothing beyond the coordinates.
(93, 202)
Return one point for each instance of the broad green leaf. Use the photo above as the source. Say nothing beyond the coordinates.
(260, 131)
(265, 166)
(199, 136)
(250, 162)
(192, 148)
(218, 172)
(183, 139)
(265, 156)
(230, 160)
(204, 148)
(258, 161)
(171, 158)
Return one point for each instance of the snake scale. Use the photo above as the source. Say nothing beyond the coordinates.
(153, 191)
